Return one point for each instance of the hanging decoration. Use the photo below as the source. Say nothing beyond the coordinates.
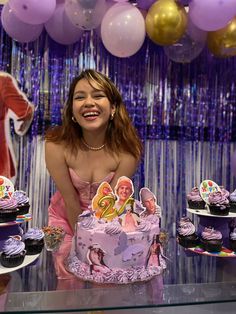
(170, 24)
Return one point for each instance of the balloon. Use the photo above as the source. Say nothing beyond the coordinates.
(33, 11)
(222, 43)
(145, 4)
(123, 30)
(211, 15)
(185, 50)
(84, 17)
(166, 22)
(196, 33)
(17, 29)
(60, 28)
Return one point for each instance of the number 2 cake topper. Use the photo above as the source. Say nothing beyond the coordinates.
(207, 187)
(6, 187)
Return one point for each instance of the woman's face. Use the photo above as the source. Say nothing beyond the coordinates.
(91, 107)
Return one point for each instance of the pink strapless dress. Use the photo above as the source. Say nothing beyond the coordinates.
(57, 217)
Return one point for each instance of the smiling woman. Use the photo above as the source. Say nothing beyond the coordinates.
(96, 142)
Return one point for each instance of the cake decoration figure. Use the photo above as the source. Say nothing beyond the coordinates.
(149, 202)
(95, 257)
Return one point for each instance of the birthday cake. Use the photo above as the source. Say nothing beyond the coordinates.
(118, 240)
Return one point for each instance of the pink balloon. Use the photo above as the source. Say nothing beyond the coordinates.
(82, 16)
(60, 28)
(123, 30)
(211, 15)
(33, 11)
(17, 29)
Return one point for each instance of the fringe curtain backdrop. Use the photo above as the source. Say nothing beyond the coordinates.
(185, 115)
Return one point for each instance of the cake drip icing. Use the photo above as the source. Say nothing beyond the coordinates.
(233, 234)
(186, 228)
(194, 195)
(34, 234)
(117, 276)
(217, 198)
(21, 197)
(13, 246)
(8, 203)
(211, 234)
(232, 196)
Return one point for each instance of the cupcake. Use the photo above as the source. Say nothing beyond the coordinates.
(224, 192)
(232, 202)
(195, 200)
(232, 240)
(8, 209)
(13, 253)
(34, 241)
(211, 239)
(218, 204)
(22, 202)
(186, 233)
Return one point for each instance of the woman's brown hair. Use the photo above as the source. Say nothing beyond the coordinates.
(120, 135)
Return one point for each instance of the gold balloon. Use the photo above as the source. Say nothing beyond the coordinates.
(166, 22)
(222, 43)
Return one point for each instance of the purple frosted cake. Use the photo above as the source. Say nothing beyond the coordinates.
(13, 252)
(211, 239)
(34, 241)
(186, 233)
(8, 209)
(195, 200)
(22, 202)
(218, 203)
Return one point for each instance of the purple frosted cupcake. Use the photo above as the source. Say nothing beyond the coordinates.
(195, 200)
(218, 204)
(34, 241)
(232, 202)
(186, 233)
(232, 240)
(13, 253)
(211, 239)
(8, 209)
(22, 202)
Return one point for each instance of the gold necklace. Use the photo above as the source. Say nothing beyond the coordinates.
(91, 147)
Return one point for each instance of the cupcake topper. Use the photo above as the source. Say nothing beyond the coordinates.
(207, 187)
(6, 187)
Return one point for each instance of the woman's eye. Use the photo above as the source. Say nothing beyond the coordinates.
(99, 96)
(79, 98)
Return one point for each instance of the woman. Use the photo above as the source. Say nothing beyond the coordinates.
(95, 143)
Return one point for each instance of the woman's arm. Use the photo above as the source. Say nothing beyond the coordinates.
(58, 169)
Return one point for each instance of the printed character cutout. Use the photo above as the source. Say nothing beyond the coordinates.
(149, 202)
(13, 105)
(124, 189)
(130, 219)
(95, 257)
(155, 252)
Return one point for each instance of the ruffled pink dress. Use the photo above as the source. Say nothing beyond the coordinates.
(57, 216)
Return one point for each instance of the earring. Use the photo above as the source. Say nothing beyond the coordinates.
(112, 116)
(73, 119)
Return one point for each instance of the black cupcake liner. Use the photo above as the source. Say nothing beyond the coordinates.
(23, 209)
(12, 260)
(232, 245)
(212, 245)
(33, 246)
(232, 206)
(197, 204)
(8, 215)
(188, 241)
(219, 210)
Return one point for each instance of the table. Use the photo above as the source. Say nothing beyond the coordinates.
(191, 281)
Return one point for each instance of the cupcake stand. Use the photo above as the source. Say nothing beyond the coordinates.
(206, 219)
(220, 223)
(14, 228)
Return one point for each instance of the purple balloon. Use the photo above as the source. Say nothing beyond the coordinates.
(33, 11)
(145, 4)
(211, 15)
(60, 28)
(123, 30)
(17, 29)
